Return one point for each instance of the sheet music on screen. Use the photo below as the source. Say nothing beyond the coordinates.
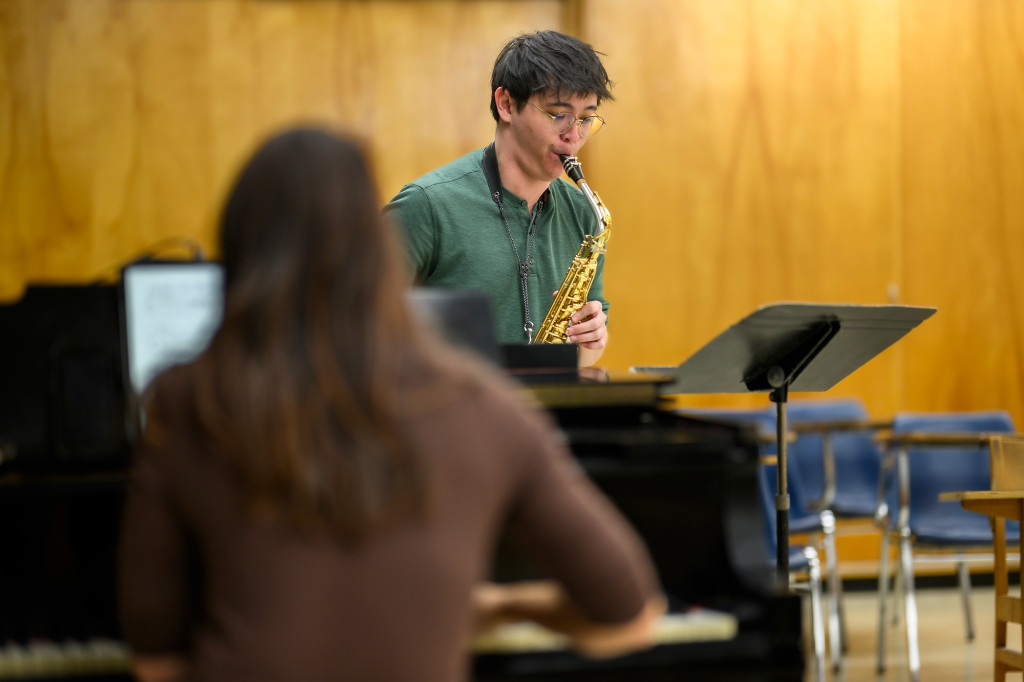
(170, 313)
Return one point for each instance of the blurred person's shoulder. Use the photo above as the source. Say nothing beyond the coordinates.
(486, 389)
(170, 386)
(168, 406)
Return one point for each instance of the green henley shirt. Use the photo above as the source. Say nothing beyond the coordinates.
(455, 237)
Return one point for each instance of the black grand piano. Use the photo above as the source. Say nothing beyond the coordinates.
(689, 486)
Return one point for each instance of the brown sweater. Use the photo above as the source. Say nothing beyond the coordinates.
(253, 601)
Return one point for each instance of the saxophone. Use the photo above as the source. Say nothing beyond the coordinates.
(573, 292)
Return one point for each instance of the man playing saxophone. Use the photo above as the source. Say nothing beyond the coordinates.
(500, 219)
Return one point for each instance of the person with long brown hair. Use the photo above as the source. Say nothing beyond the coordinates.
(317, 495)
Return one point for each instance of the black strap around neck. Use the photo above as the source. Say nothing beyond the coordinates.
(490, 166)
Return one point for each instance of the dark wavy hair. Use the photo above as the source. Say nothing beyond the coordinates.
(548, 60)
(301, 387)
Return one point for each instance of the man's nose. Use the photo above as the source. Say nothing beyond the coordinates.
(573, 133)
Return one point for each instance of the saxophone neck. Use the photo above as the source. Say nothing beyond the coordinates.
(603, 215)
(575, 172)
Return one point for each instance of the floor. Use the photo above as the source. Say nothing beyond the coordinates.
(946, 656)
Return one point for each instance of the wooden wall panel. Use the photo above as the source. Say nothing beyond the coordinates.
(962, 182)
(122, 122)
(750, 157)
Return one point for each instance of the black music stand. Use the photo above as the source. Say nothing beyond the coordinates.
(792, 346)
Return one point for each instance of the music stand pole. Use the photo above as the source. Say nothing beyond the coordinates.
(779, 397)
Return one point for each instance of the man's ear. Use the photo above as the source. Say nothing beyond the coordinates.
(504, 102)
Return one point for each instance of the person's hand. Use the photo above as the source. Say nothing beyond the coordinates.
(489, 603)
(546, 603)
(160, 668)
(588, 328)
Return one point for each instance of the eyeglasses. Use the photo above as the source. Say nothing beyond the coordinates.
(563, 122)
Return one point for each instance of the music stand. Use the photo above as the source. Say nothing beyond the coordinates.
(792, 346)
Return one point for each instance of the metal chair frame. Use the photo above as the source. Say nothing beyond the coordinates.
(896, 466)
(828, 420)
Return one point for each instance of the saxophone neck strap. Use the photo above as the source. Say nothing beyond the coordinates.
(489, 164)
(490, 167)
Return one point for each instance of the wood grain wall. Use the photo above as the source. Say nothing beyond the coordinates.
(849, 151)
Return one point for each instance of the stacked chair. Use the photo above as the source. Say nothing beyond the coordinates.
(928, 454)
(837, 454)
(843, 464)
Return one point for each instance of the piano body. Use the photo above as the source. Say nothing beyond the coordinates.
(689, 486)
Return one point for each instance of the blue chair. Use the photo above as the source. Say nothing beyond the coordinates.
(929, 454)
(820, 525)
(837, 455)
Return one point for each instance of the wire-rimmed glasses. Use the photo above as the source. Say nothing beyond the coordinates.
(564, 121)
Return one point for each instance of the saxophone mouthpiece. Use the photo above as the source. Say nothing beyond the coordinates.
(572, 167)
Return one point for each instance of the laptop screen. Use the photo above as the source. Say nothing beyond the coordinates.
(170, 311)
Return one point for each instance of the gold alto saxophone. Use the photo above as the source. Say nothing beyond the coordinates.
(573, 292)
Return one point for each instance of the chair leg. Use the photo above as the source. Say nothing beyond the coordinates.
(1001, 575)
(836, 631)
(910, 607)
(965, 597)
(883, 596)
(817, 621)
(897, 590)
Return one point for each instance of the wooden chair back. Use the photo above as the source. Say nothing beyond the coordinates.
(1007, 458)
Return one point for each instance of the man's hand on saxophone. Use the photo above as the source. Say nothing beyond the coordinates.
(589, 331)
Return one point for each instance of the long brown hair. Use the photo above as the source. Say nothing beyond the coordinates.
(302, 384)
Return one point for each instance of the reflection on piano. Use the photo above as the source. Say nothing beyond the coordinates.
(689, 487)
